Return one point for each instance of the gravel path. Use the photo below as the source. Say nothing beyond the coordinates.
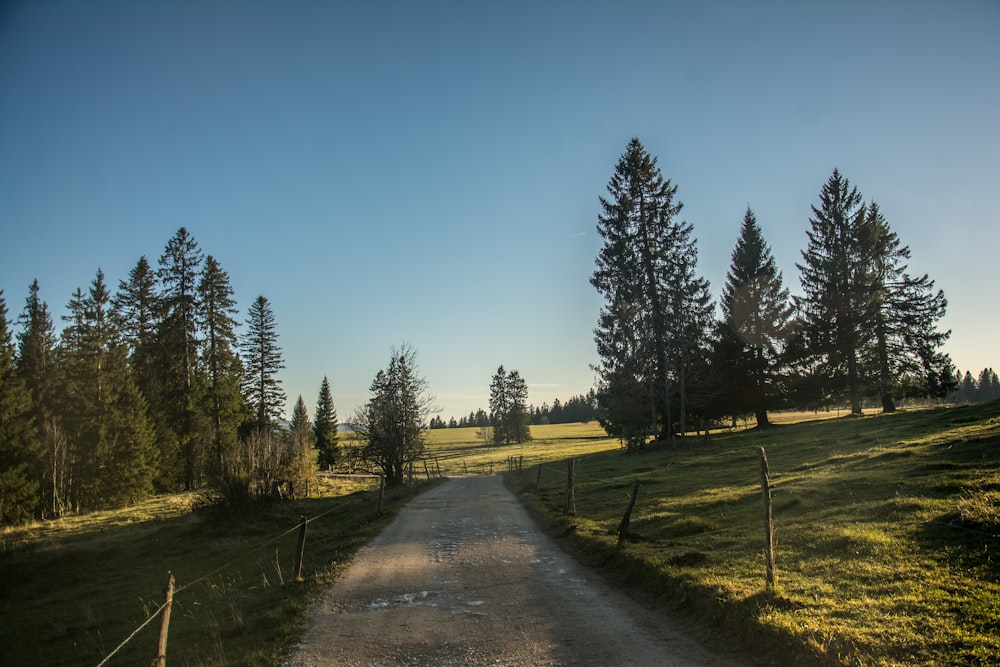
(463, 576)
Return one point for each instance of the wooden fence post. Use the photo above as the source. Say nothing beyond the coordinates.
(520, 463)
(381, 493)
(765, 486)
(300, 550)
(569, 508)
(426, 470)
(623, 526)
(437, 464)
(538, 480)
(168, 602)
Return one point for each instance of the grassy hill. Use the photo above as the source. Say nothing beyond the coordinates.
(887, 545)
(887, 527)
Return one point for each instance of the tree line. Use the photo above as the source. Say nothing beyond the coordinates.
(149, 389)
(982, 389)
(864, 329)
(578, 409)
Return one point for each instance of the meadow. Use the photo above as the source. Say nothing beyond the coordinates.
(888, 534)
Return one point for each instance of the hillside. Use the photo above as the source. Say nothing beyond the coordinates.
(887, 530)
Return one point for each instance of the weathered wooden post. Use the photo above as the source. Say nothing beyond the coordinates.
(520, 463)
(765, 486)
(437, 464)
(301, 549)
(623, 526)
(381, 493)
(427, 472)
(569, 508)
(168, 602)
(538, 480)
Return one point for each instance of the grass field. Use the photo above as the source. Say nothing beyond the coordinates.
(887, 545)
(888, 534)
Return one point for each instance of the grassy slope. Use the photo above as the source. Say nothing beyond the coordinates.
(888, 534)
(71, 590)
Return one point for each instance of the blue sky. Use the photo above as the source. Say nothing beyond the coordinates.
(429, 172)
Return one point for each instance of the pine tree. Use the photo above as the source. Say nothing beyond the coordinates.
(135, 309)
(36, 366)
(836, 308)
(302, 465)
(112, 455)
(262, 361)
(19, 450)
(654, 322)
(177, 345)
(325, 427)
(904, 345)
(749, 347)
(969, 392)
(508, 403)
(223, 371)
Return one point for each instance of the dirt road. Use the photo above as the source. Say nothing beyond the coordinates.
(464, 577)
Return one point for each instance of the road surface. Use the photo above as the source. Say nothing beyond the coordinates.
(463, 576)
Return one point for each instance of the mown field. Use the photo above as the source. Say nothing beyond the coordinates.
(888, 535)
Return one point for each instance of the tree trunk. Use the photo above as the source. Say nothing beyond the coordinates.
(762, 420)
(888, 405)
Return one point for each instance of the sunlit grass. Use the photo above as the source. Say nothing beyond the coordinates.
(887, 528)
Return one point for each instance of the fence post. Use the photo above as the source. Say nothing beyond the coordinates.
(569, 508)
(168, 602)
(538, 480)
(520, 463)
(381, 493)
(765, 486)
(437, 464)
(623, 526)
(426, 470)
(300, 551)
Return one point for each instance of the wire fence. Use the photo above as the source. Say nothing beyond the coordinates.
(171, 592)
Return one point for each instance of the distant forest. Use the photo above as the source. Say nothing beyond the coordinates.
(577, 409)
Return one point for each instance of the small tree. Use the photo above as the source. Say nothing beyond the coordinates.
(301, 467)
(390, 425)
(509, 405)
(325, 427)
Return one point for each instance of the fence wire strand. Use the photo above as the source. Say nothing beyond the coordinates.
(212, 573)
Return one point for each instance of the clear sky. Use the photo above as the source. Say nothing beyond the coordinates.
(429, 172)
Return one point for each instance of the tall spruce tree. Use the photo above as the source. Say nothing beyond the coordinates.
(653, 324)
(903, 354)
(325, 427)
(261, 362)
(756, 323)
(112, 451)
(135, 309)
(19, 450)
(179, 273)
(837, 306)
(36, 366)
(220, 362)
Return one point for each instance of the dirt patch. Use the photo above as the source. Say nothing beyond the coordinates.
(464, 577)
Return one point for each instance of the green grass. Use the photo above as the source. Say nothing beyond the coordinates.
(73, 589)
(887, 529)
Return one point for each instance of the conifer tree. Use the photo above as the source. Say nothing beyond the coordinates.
(222, 368)
(756, 310)
(177, 345)
(508, 404)
(135, 309)
(903, 351)
(302, 450)
(112, 451)
(36, 366)
(19, 454)
(836, 308)
(325, 427)
(654, 322)
(262, 360)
